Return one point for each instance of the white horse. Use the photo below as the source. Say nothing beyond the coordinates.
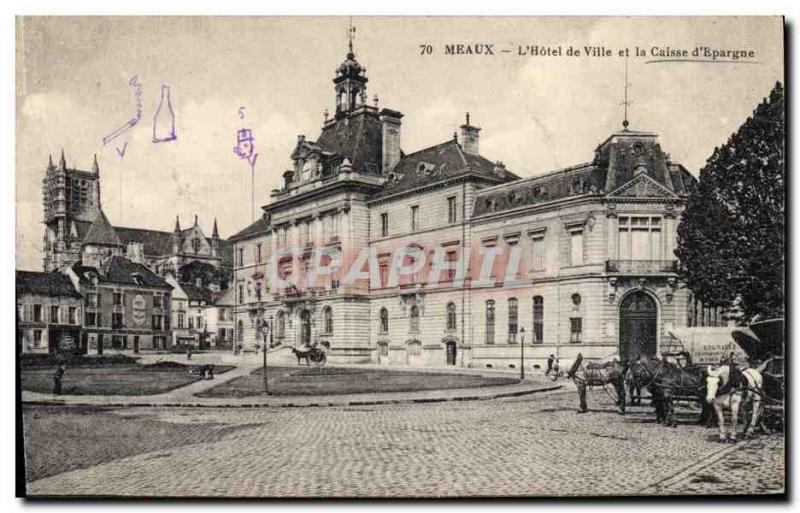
(728, 390)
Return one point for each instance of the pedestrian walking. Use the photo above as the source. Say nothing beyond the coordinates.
(58, 377)
(189, 353)
(550, 360)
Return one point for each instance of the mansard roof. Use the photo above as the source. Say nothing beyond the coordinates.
(45, 284)
(357, 137)
(438, 163)
(573, 180)
(628, 163)
(261, 226)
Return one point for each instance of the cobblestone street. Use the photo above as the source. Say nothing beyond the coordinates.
(531, 445)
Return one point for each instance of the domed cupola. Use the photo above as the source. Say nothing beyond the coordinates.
(350, 82)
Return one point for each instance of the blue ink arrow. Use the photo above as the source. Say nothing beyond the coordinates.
(122, 151)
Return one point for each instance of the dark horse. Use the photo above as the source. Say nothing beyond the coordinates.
(598, 374)
(312, 354)
(665, 381)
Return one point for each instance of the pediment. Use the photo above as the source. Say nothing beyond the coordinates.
(642, 186)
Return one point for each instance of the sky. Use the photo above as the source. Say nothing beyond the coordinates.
(273, 76)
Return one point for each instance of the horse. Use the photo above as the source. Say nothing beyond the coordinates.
(727, 387)
(665, 380)
(612, 373)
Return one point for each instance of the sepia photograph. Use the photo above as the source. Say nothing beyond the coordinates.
(392, 257)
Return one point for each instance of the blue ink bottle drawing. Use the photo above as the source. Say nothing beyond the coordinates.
(164, 121)
(245, 148)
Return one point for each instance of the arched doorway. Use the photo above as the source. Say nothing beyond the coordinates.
(638, 326)
(450, 351)
(305, 328)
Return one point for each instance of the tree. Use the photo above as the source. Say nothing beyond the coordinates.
(731, 237)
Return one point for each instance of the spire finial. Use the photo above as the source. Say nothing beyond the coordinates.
(625, 101)
(467, 118)
(351, 34)
(195, 219)
(63, 162)
(50, 160)
(95, 166)
(215, 232)
(177, 223)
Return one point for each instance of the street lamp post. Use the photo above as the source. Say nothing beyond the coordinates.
(265, 345)
(522, 353)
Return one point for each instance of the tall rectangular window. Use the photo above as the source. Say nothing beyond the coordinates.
(640, 238)
(513, 320)
(451, 257)
(91, 300)
(117, 298)
(54, 314)
(537, 252)
(37, 338)
(91, 318)
(240, 257)
(258, 253)
(383, 269)
(415, 218)
(117, 320)
(490, 322)
(37, 313)
(576, 246)
(575, 329)
(73, 315)
(452, 213)
(384, 224)
(538, 320)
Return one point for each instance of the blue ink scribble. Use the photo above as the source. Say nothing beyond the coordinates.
(164, 121)
(121, 152)
(137, 86)
(241, 112)
(245, 146)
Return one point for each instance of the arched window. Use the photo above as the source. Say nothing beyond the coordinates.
(327, 318)
(490, 321)
(240, 331)
(451, 316)
(280, 325)
(538, 319)
(513, 320)
(414, 318)
(384, 320)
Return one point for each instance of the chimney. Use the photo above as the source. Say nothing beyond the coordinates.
(390, 129)
(469, 137)
(288, 176)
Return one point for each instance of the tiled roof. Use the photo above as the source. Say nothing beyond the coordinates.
(358, 138)
(223, 297)
(580, 179)
(45, 284)
(155, 242)
(120, 270)
(262, 225)
(101, 232)
(437, 163)
(195, 293)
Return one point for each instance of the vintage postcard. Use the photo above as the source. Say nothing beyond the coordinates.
(400, 257)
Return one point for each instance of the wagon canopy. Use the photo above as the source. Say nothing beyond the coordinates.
(761, 340)
(706, 345)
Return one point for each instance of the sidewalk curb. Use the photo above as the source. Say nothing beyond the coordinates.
(287, 404)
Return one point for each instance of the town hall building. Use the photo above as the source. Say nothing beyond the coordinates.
(578, 260)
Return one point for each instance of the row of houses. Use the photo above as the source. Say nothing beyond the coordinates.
(118, 305)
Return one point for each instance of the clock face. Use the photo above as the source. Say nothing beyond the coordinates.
(638, 149)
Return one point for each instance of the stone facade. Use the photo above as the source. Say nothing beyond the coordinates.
(583, 256)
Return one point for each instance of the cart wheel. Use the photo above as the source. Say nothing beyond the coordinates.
(320, 359)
